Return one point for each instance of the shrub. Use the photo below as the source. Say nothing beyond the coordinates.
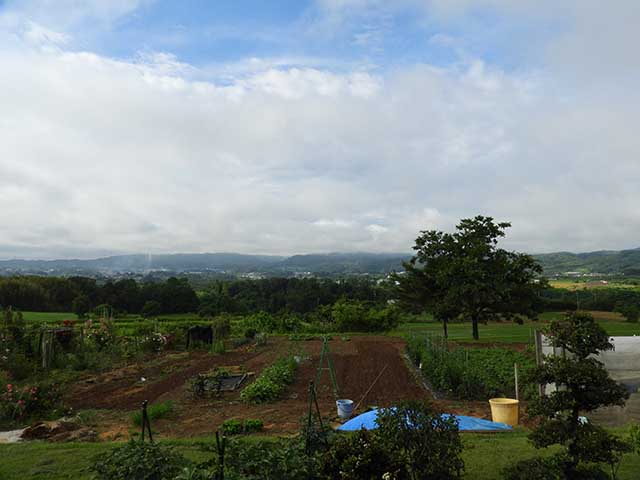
(585, 385)
(252, 425)
(154, 342)
(427, 443)
(27, 402)
(272, 381)
(101, 333)
(539, 468)
(139, 461)
(362, 456)
(221, 326)
(232, 427)
(218, 347)
(283, 459)
(261, 339)
(236, 427)
(151, 308)
(154, 412)
(354, 316)
(240, 342)
(18, 366)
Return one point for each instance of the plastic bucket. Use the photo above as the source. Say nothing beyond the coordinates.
(504, 410)
(345, 408)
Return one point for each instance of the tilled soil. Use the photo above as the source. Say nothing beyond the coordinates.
(370, 370)
(124, 389)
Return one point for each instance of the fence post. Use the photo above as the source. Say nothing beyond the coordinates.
(145, 421)
(220, 446)
(539, 358)
(515, 372)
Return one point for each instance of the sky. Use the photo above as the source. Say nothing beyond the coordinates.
(307, 126)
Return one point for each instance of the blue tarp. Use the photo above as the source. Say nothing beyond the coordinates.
(466, 424)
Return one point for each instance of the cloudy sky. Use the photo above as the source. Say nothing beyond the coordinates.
(294, 126)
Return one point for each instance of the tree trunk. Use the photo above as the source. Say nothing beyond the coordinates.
(474, 323)
(444, 328)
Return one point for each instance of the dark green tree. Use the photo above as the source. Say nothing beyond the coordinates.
(81, 305)
(582, 385)
(151, 308)
(630, 311)
(465, 275)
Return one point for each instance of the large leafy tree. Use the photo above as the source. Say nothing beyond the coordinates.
(465, 275)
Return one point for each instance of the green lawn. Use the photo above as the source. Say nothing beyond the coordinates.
(509, 332)
(48, 317)
(484, 454)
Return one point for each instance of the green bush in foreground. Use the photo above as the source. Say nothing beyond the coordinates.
(427, 443)
(272, 382)
(139, 461)
(363, 455)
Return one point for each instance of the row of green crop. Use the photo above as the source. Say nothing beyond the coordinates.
(272, 382)
(471, 373)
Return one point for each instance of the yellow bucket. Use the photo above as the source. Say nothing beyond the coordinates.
(504, 410)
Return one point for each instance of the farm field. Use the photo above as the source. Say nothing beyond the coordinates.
(591, 284)
(107, 400)
(113, 395)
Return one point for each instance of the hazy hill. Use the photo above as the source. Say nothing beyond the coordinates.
(233, 263)
(611, 262)
(135, 263)
(342, 263)
(625, 262)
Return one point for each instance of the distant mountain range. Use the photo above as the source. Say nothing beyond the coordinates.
(227, 263)
(625, 262)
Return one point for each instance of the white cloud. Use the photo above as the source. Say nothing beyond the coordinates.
(62, 14)
(156, 155)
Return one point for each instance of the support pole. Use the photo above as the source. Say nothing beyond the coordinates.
(145, 421)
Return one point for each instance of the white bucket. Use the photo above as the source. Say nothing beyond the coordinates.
(345, 408)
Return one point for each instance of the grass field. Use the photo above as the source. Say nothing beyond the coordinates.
(508, 332)
(125, 325)
(48, 317)
(485, 455)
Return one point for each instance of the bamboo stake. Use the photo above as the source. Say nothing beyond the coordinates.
(367, 392)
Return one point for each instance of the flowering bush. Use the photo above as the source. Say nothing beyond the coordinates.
(101, 333)
(154, 342)
(21, 403)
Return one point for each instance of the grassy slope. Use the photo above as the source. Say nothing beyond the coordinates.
(484, 454)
